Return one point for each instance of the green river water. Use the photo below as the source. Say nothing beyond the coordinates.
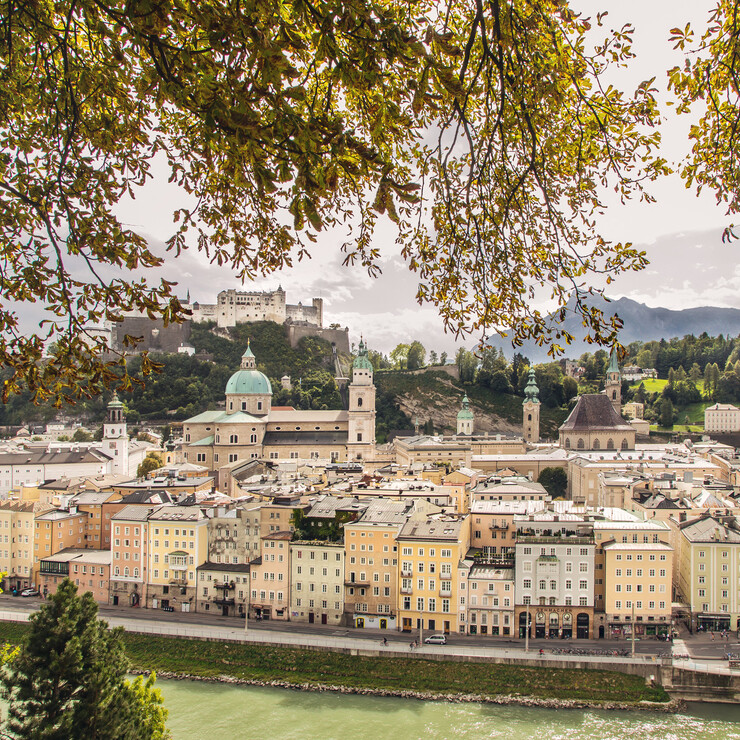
(222, 712)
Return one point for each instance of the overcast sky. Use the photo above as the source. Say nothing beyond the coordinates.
(681, 233)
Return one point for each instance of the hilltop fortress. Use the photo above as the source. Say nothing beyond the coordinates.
(240, 306)
(231, 308)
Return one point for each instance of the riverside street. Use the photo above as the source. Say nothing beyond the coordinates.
(700, 646)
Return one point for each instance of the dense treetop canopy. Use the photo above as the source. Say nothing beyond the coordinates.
(482, 128)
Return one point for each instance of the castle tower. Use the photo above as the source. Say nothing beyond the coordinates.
(361, 432)
(531, 410)
(613, 386)
(465, 420)
(115, 437)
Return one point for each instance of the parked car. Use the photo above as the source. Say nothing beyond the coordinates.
(436, 640)
(30, 592)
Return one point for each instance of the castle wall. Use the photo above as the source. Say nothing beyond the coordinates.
(156, 336)
(337, 337)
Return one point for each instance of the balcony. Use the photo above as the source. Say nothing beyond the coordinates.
(445, 593)
(224, 602)
(407, 590)
(445, 576)
(566, 539)
(503, 560)
(359, 583)
(178, 581)
(502, 526)
(224, 586)
(406, 573)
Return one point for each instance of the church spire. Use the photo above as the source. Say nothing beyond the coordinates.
(532, 392)
(531, 409)
(248, 359)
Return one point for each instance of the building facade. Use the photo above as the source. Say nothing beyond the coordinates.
(722, 417)
(428, 577)
(178, 544)
(317, 582)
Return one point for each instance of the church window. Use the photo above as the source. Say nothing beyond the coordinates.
(610, 444)
(529, 417)
(234, 439)
(359, 436)
(359, 401)
(625, 444)
(614, 395)
(244, 405)
(336, 429)
(259, 405)
(567, 443)
(187, 438)
(253, 439)
(233, 457)
(298, 429)
(581, 445)
(597, 444)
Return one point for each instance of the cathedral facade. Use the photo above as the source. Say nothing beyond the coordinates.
(251, 428)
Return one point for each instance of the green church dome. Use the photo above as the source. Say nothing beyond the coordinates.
(249, 380)
(465, 412)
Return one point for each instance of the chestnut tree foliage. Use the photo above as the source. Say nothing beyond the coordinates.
(482, 128)
(709, 81)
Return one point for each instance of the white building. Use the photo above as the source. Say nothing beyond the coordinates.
(554, 575)
(722, 417)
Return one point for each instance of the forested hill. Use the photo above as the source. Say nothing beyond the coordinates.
(186, 386)
(641, 323)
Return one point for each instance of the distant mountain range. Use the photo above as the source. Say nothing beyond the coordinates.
(641, 323)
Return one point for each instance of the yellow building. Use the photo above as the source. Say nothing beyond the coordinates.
(708, 571)
(623, 528)
(16, 542)
(178, 544)
(55, 530)
(428, 577)
(371, 557)
(638, 588)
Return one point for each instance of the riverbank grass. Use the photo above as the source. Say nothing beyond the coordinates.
(389, 673)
